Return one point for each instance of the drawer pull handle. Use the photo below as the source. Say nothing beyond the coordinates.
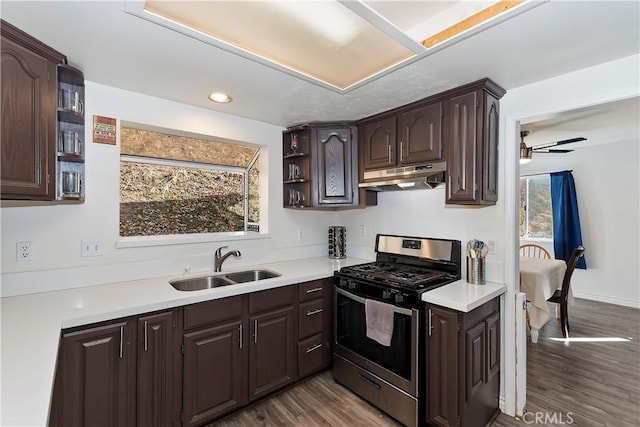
(314, 348)
(369, 381)
(240, 337)
(145, 336)
(312, 312)
(310, 291)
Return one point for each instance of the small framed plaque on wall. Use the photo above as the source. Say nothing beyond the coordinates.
(104, 130)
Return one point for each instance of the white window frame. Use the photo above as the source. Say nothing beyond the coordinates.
(526, 212)
(158, 240)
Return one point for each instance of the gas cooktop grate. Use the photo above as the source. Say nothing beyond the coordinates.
(400, 274)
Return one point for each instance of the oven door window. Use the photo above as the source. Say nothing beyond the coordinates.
(351, 333)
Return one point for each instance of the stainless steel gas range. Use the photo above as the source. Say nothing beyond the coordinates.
(389, 372)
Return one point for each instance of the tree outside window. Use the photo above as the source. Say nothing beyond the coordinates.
(179, 185)
(536, 215)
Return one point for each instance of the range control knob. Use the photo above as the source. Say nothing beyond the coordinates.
(386, 295)
(351, 284)
(399, 298)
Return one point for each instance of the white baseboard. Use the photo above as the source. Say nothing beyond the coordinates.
(607, 299)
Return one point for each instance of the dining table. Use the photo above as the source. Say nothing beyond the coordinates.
(539, 279)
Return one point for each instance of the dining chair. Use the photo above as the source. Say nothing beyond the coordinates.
(561, 296)
(532, 250)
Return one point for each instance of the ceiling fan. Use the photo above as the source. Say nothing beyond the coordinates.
(526, 153)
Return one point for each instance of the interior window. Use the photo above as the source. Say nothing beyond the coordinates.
(179, 185)
(536, 215)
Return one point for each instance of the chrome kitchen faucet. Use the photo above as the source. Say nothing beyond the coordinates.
(218, 258)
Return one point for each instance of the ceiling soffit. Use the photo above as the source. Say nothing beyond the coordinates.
(339, 45)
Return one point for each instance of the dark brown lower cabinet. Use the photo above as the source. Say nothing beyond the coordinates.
(463, 374)
(443, 372)
(315, 326)
(214, 372)
(120, 373)
(192, 365)
(159, 382)
(98, 376)
(273, 351)
(236, 350)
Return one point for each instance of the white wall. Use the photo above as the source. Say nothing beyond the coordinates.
(424, 213)
(606, 178)
(56, 231)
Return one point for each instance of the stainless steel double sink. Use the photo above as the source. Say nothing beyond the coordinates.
(215, 281)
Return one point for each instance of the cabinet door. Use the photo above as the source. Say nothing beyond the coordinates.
(28, 124)
(442, 338)
(98, 375)
(462, 185)
(379, 143)
(493, 345)
(335, 155)
(273, 351)
(475, 365)
(490, 150)
(214, 367)
(159, 373)
(421, 134)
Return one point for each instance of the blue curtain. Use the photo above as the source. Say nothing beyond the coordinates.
(566, 220)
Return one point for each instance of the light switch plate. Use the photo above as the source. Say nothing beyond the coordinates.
(91, 248)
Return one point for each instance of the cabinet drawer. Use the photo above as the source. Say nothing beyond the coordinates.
(310, 318)
(209, 312)
(376, 391)
(310, 355)
(312, 290)
(271, 298)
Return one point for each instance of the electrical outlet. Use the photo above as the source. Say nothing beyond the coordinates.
(363, 230)
(300, 234)
(23, 251)
(91, 248)
(491, 244)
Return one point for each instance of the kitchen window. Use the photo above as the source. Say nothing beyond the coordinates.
(177, 185)
(536, 215)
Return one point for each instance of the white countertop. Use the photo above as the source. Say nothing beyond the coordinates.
(31, 325)
(463, 296)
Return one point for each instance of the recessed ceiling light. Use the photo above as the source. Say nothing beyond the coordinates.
(220, 97)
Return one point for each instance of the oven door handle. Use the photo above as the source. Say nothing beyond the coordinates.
(361, 300)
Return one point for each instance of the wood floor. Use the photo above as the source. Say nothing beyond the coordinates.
(586, 383)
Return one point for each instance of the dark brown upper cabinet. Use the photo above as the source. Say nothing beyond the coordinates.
(472, 120)
(42, 122)
(378, 143)
(28, 130)
(320, 166)
(459, 125)
(421, 134)
(403, 137)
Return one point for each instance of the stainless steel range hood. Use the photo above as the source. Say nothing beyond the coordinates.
(406, 178)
